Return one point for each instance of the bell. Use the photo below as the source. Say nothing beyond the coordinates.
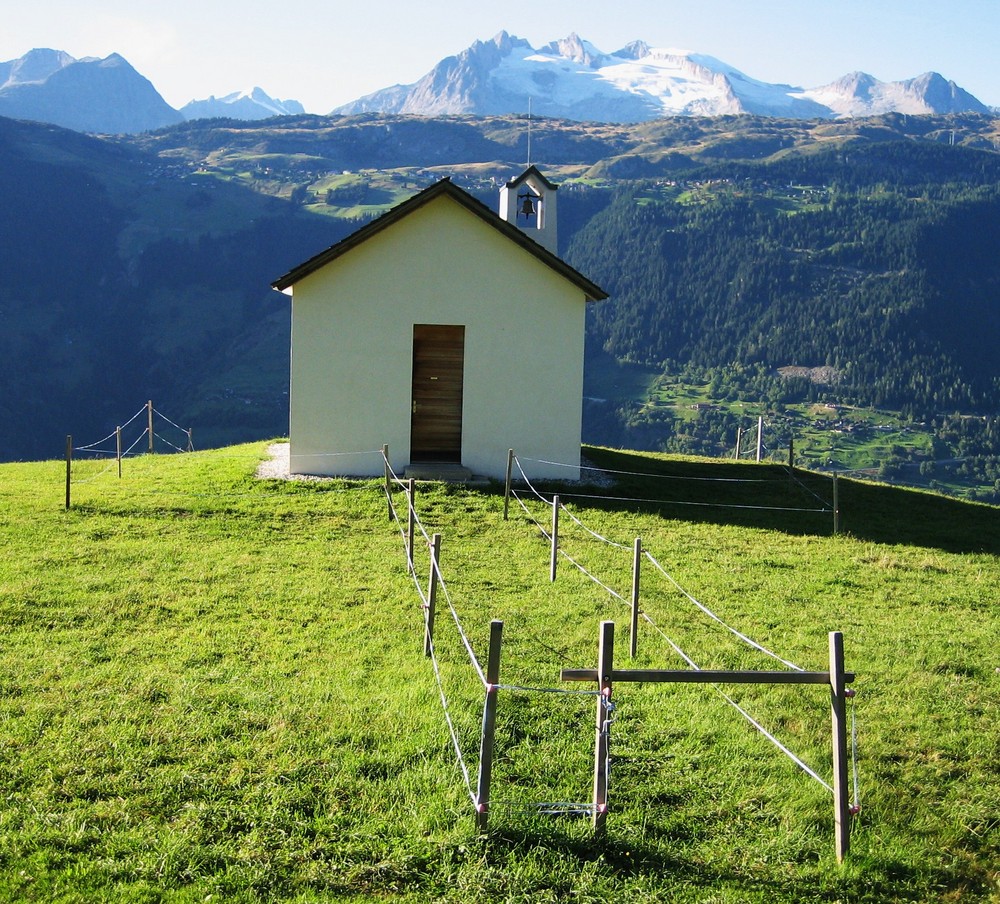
(527, 208)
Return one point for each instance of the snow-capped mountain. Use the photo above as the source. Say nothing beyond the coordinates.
(94, 95)
(35, 66)
(254, 104)
(88, 95)
(573, 79)
(569, 79)
(859, 94)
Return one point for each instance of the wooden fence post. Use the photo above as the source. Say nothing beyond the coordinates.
(411, 493)
(634, 633)
(69, 465)
(489, 726)
(760, 437)
(836, 505)
(739, 442)
(791, 459)
(190, 433)
(432, 583)
(388, 483)
(506, 490)
(149, 424)
(838, 710)
(605, 664)
(554, 555)
(118, 450)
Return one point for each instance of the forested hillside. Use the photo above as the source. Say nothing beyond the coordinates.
(123, 280)
(863, 276)
(756, 268)
(894, 284)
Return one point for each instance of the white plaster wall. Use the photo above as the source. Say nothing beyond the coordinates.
(352, 343)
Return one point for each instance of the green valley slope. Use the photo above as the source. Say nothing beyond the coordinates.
(213, 686)
(733, 247)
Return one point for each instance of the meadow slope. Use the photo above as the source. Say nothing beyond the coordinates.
(213, 687)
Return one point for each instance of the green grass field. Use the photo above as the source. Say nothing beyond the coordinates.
(213, 687)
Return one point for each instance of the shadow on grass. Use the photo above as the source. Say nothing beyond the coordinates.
(625, 860)
(770, 497)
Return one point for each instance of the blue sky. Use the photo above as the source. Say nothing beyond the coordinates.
(327, 52)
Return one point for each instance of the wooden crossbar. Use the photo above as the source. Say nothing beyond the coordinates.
(606, 675)
(704, 676)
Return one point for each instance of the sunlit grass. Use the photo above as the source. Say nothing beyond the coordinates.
(214, 685)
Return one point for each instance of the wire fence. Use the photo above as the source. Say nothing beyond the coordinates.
(409, 526)
(123, 440)
(775, 485)
(893, 460)
(125, 443)
(554, 503)
(408, 531)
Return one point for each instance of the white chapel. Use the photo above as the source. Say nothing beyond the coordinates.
(446, 331)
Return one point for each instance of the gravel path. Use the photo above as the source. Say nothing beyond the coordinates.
(277, 466)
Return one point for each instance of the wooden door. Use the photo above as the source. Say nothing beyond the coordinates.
(436, 407)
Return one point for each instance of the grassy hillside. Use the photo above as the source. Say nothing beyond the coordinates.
(212, 686)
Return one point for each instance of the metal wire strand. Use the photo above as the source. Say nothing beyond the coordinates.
(172, 424)
(795, 759)
(451, 726)
(716, 618)
(447, 595)
(167, 442)
(560, 464)
(592, 533)
(854, 758)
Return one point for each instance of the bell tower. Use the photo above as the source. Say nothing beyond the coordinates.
(529, 203)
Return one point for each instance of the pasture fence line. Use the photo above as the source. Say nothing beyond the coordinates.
(637, 553)
(98, 450)
(795, 675)
(489, 675)
(112, 449)
(883, 463)
(479, 796)
(341, 454)
(598, 807)
(409, 486)
(791, 478)
(118, 452)
(408, 526)
(606, 675)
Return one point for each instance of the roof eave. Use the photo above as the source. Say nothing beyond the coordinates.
(591, 290)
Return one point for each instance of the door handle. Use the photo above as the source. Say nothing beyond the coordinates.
(414, 407)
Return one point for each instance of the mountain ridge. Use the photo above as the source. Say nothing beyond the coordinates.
(88, 95)
(572, 78)
(569, 78)
(251, 105)
(108, 96)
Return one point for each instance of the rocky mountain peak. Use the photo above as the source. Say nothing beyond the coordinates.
(575, 49)
(35, 66)
(634, 50)
(636, 84)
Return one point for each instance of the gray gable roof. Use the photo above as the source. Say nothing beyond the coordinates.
(533, 171)
(446, 188)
